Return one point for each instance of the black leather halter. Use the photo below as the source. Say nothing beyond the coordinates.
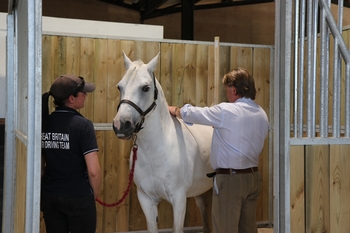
(143, 114)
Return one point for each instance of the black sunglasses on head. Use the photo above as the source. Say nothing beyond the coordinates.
(80, 86)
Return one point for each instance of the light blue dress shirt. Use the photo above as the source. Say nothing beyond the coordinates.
(240, 129)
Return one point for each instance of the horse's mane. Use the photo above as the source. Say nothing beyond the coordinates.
(139, 62)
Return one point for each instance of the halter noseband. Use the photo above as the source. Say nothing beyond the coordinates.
(143, 114)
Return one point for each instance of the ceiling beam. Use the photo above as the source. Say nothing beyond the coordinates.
(177, 8)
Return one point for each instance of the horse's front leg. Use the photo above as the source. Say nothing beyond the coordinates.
(179, 210)
(149, 207)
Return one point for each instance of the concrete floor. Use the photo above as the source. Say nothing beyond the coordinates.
(197, 230)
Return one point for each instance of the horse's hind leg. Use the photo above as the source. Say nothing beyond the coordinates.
(150, 209)
(200, 201)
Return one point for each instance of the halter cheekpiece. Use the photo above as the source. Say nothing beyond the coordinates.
(143, 114)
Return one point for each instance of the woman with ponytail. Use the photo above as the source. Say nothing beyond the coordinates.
(71, 174)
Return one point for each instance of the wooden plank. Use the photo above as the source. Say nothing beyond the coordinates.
(107, 220)
(73, 55)
(177, 72)
(99, 77)
(216, 69)
(128, 46)
(58, 63)
(339, 188)
(59, 51)
(225, 67)
(47, 64)
(242, 57)
(107, 223)
(261, 74)
(189, 76)
(297, 191)
(146, 51)
(20, 187)
(201, 81)
(165, 75)
(317, 207)
(87, 53)
(115, 66)
(211, 71)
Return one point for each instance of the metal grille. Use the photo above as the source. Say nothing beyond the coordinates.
(320, 73)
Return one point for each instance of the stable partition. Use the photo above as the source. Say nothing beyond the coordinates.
(186, 74)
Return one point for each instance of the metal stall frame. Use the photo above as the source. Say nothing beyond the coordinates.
(288, 72)
(24, 123)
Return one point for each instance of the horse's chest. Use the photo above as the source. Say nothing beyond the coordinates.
(160, 179)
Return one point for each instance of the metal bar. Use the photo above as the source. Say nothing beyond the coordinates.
(272, 122)
(336, 90)
(340, 14)
(295, 72)
(314, 66)
(10, 149)
(324, 70)
(32, 223)
(335, 31)
(310, 67)
(282, 113)
(320, 141)
(276, 120)
(347, 99)
(317, 129)
(196, 229)
(301, 70)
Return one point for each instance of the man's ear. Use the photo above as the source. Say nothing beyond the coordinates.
(234, 90)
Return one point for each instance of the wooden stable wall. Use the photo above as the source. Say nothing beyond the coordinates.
(320, 188)
(320, 174)
(185, 71)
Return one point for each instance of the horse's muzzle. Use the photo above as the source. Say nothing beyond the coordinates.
(125, 131)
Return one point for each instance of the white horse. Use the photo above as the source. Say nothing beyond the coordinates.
(172, 158)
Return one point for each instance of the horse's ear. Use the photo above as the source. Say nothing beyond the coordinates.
(151, 66)
(127, 61)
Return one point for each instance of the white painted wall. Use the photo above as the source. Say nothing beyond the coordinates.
(75, 27)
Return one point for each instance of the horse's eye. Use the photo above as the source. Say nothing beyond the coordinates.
(146, 88)
(118, 87)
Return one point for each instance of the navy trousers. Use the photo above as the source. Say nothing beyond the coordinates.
(69, 214)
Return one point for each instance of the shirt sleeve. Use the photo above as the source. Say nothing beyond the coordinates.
(88, 138)
(211, 116)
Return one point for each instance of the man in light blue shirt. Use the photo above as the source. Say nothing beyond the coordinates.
(240, 129)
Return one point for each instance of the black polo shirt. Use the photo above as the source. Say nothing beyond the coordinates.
(69, 137)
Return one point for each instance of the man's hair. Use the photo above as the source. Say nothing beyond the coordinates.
(242, 81)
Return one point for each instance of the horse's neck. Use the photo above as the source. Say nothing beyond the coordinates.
(158, 124)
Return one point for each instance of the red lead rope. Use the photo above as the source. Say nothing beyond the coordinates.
(131, 178)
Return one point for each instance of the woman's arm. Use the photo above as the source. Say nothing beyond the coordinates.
(94, 172)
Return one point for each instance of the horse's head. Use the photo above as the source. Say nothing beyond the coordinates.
(138, 94)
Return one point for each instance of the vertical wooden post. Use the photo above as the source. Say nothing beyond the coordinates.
(216, 69)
